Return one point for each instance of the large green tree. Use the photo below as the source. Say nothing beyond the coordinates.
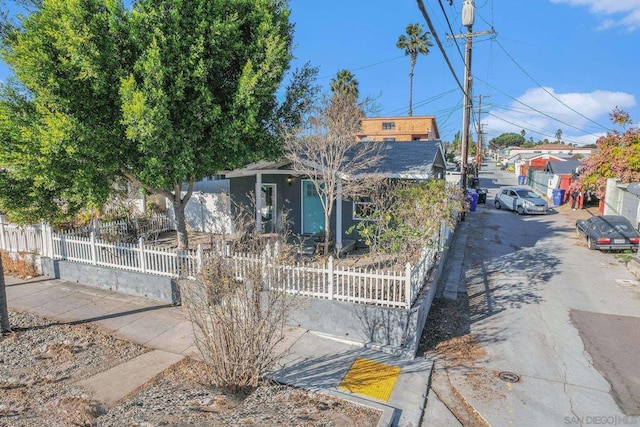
(201, 97)
(414, 42)
(60, 117)
(164, 95)
(510, 139)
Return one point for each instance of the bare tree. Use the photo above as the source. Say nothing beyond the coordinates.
(327, 152)
(237, 322)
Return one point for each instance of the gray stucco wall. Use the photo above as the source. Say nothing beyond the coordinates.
(157, 288)
(289, 200)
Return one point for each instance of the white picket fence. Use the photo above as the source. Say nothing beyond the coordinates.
(122, 229)
(320, 280)
(14, 238)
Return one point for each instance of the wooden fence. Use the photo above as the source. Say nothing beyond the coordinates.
(14, 238)
(327, 280)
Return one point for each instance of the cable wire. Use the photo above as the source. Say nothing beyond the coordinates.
(536, 110)
(545, 89)
(423, 10)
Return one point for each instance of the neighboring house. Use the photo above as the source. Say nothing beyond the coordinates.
(286, 194)
(537, 161)
(415, 128)
(547, 172)
(552, 149)
(563, 174)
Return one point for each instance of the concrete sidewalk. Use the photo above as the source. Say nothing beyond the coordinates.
(310, 360)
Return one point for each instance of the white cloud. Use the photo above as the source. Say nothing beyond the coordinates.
(582, 117)
(615, 13)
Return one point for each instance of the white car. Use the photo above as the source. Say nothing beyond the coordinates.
(521, 199)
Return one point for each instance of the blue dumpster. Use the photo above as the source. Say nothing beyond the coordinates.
(522, 179)
(558, 196)
(473, 201)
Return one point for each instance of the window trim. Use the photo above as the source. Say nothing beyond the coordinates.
(362, 201)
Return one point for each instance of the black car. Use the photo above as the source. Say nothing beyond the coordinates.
(608, 232)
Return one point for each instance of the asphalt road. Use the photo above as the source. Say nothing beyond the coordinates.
(561, 317)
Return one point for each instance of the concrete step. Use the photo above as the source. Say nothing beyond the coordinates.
(113, 385)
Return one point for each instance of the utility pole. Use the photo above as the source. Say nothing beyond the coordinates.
(468, 16)
(480, 135)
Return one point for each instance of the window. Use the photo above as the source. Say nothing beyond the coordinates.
(363, 208)
(311, 190)
(388, 125)
(388, 139)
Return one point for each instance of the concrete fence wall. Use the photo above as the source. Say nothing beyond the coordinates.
(154, 287)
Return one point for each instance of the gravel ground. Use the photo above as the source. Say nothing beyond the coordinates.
(41, 361)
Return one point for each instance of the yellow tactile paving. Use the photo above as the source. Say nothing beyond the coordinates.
(371, 379)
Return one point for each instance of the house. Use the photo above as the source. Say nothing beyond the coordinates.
(537, 161)
(284, 194)
(415, 128)
(556, 148)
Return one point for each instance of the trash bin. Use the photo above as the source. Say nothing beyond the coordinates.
(482, 195)
(475, 182)
(558, 196)
(473, 200)
(522, 179)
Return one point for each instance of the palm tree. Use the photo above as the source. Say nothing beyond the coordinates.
(414, 42)
(345, 83)
(4, 314)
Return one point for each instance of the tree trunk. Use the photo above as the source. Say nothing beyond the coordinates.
(411, 89)
(182, 237)
(4, 313)
(327, 227)
(179, 204)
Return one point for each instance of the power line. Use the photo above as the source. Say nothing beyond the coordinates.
(520, 126)
(365, 66)
(438, 42)
(545, 89)
(536, 110)
(450, 29)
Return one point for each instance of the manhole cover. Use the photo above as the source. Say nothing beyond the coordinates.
(508, 377)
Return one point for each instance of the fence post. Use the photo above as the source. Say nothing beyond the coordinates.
(408, 285)
(94, 257)
(143, 264)
(44, 250)
(330, 277)
(199, 259)
(51, 248)
(2, 238)
(265, 273)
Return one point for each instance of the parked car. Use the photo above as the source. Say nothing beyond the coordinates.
(521, 199)
(608, 232)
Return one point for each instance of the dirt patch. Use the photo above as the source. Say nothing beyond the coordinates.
(42, 361)
(447, 319)
(461, 350)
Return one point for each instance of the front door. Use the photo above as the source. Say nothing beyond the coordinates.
(312, 211)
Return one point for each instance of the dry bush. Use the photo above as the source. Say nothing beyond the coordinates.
(20, 266)
(237, 323)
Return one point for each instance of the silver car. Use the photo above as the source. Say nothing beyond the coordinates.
(522, 200)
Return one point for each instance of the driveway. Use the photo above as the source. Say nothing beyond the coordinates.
(561, 320)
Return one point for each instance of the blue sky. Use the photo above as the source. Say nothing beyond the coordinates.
(552, 64)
